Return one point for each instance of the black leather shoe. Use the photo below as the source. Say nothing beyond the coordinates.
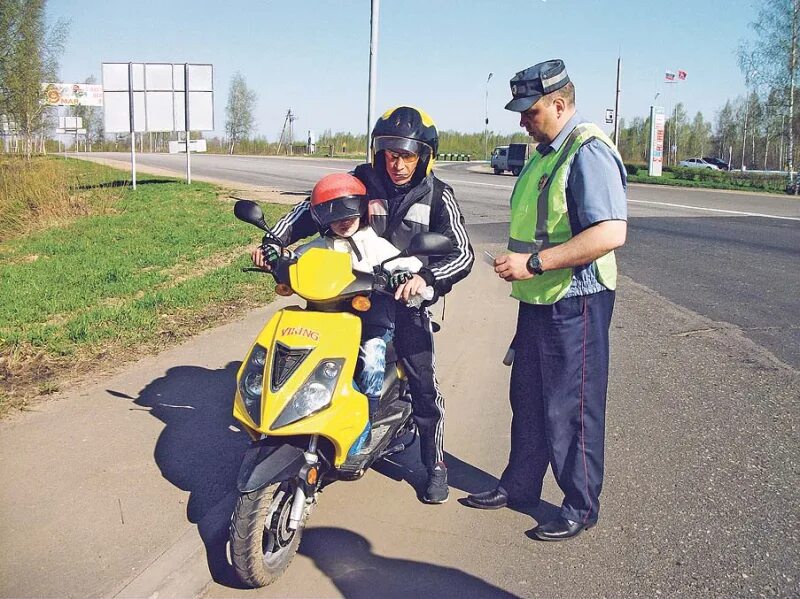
(560, 529)
(494, 499)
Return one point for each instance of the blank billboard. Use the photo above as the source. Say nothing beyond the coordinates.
(158, 96)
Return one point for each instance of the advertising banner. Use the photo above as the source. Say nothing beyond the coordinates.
(72, 94)
(657, 122)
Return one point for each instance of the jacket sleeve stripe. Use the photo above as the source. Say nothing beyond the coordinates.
(464, 258)
(283, 225)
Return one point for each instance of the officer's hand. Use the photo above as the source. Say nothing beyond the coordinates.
(413, 286)
(513, 267)
(398, 277)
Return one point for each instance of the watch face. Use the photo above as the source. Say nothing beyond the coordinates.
(535, 265)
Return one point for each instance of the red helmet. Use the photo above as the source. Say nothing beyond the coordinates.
(336, 197)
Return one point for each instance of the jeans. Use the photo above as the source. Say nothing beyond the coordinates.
(372, 354)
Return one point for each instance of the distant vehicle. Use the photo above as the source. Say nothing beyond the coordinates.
(698, 163)
(499, 160)
(510, 158)
(718, 162)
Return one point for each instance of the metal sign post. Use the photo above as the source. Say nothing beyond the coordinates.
(132, 129)
(186, 117)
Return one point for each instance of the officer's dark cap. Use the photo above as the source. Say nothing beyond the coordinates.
(534, 82)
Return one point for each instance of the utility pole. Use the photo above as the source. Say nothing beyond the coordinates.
(373, 71)
(486, 122)
(616, 103)
(292, 119)
(792, 69)
(287, 124)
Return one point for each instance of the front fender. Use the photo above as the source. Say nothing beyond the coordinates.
(266, 463)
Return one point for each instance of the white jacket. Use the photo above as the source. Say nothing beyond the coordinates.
(374, 250)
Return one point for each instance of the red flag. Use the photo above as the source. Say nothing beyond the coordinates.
(681, 75)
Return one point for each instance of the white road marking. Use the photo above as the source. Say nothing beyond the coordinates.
(737, 212)
(448, 180)
(667, 204)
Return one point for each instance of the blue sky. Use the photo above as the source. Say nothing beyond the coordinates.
(313, 56)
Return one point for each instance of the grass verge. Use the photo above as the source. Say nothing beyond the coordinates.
(130, 272)
(708, 179)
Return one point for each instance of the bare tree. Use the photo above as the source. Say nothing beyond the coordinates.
(241, 104)
(772, 58)
(28, 57)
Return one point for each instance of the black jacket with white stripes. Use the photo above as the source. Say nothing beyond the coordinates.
(428, 206)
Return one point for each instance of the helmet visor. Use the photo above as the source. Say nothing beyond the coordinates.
(401, 144)
(338, 209)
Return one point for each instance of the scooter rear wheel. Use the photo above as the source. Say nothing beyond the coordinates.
(261, 543)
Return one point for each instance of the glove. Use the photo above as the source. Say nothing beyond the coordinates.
(271, 253)
(399, 277)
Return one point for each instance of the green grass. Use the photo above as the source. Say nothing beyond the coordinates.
(156, 262)
(710, 179)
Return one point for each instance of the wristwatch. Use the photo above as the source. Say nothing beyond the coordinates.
(534, 265)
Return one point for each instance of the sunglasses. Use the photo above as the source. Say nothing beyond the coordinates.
(406, 158)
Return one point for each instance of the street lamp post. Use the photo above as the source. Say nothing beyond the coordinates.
(486, 122)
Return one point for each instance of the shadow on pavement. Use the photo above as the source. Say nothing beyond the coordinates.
(198, 452)
(346, 558)
(406, 466)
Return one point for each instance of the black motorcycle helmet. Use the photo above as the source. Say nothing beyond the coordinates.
(407, 129)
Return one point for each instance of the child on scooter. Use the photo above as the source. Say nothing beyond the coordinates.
(339, 206)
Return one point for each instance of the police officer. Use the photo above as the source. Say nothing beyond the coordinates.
(412, 200)
(568, 214)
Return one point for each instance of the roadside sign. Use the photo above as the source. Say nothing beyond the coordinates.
(157, 94)
(657, 122)
(72, 94)
(609, 115)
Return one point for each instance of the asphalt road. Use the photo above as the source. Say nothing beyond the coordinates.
(123, 487)
(729, 256)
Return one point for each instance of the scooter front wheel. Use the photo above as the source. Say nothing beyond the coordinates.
(261, 543)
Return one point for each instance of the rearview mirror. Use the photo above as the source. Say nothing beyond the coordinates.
(429, 244)
(250, 212)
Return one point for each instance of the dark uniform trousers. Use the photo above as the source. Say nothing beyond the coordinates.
(413, 341)
(558, 399)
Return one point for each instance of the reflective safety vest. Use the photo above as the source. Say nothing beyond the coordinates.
(539, 218)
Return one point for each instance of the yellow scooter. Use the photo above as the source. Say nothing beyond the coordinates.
(296, 399)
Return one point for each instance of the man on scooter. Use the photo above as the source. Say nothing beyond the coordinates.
(339, 206)
(405, 143)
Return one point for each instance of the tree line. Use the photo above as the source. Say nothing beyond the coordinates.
(752, 131)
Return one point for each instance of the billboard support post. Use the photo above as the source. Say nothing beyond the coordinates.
(133, 132)
(186, 118)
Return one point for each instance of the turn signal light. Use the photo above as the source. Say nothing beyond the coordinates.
(311, 476)
(361, 303)
(283, 289)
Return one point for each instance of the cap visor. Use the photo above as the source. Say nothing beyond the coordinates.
(522, 104)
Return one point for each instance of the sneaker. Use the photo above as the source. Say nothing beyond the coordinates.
(436, 491)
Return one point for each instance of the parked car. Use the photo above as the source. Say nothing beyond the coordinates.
(698, 163)
(718, 162)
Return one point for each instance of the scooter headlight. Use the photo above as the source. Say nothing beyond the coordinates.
(251, 383)
(254, 384)
(315, 394)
